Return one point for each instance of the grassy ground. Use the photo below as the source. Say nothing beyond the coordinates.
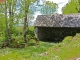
(28, 53)
(68, 49)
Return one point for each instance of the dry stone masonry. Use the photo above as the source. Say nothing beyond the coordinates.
(56, 26)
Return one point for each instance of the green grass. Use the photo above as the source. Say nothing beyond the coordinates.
(68, 49)
(28, 53)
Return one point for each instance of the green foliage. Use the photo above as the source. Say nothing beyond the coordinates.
(17, 42)
(17, 31)
(45, 51)
(67, 39)
(2, 39)
(9, 18)
(49, 8)
(71, 7)
(17, 37)
(28, 53)
(2, 22)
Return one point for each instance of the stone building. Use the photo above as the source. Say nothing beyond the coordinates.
(57, 26)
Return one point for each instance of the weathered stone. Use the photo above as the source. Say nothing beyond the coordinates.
(58, 20)
(77, 59)
(57, 26)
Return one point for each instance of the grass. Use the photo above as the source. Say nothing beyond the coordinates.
(68, 49)
(28, 53)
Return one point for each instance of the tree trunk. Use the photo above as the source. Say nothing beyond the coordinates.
(6, 20)
(10, 23)
(8, 33)
(25, 22)
(25, 26)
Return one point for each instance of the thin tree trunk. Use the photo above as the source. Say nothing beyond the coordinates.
(10, 24)
(6, 20)
(25, 26)
(25, 22)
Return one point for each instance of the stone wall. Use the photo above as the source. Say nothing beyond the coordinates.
(55, 34)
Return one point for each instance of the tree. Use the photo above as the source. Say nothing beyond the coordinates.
(11, 11)
(2, 16)
(8, 10)
(78, 6)
(72, 7)
(6, 21)
(49, 8)
(46, 7)
(26, 6)
(9, 14)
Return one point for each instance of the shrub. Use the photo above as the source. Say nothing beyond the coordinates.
(67, 39)
(16, 42)
(2, 39)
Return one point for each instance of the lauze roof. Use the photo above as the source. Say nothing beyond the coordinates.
(58, 20)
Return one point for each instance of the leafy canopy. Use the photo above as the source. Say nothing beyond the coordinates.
(72, 7)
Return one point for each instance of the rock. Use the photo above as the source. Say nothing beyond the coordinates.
(77, 59)
(43, 54)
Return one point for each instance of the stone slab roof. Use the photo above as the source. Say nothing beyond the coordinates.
(58, 20)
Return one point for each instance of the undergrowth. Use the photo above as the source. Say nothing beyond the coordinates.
(68, 49)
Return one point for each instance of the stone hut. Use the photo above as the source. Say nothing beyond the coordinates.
(57, 26)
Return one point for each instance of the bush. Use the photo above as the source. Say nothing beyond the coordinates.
(17, 41)
(67, 39)
(2, 39)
